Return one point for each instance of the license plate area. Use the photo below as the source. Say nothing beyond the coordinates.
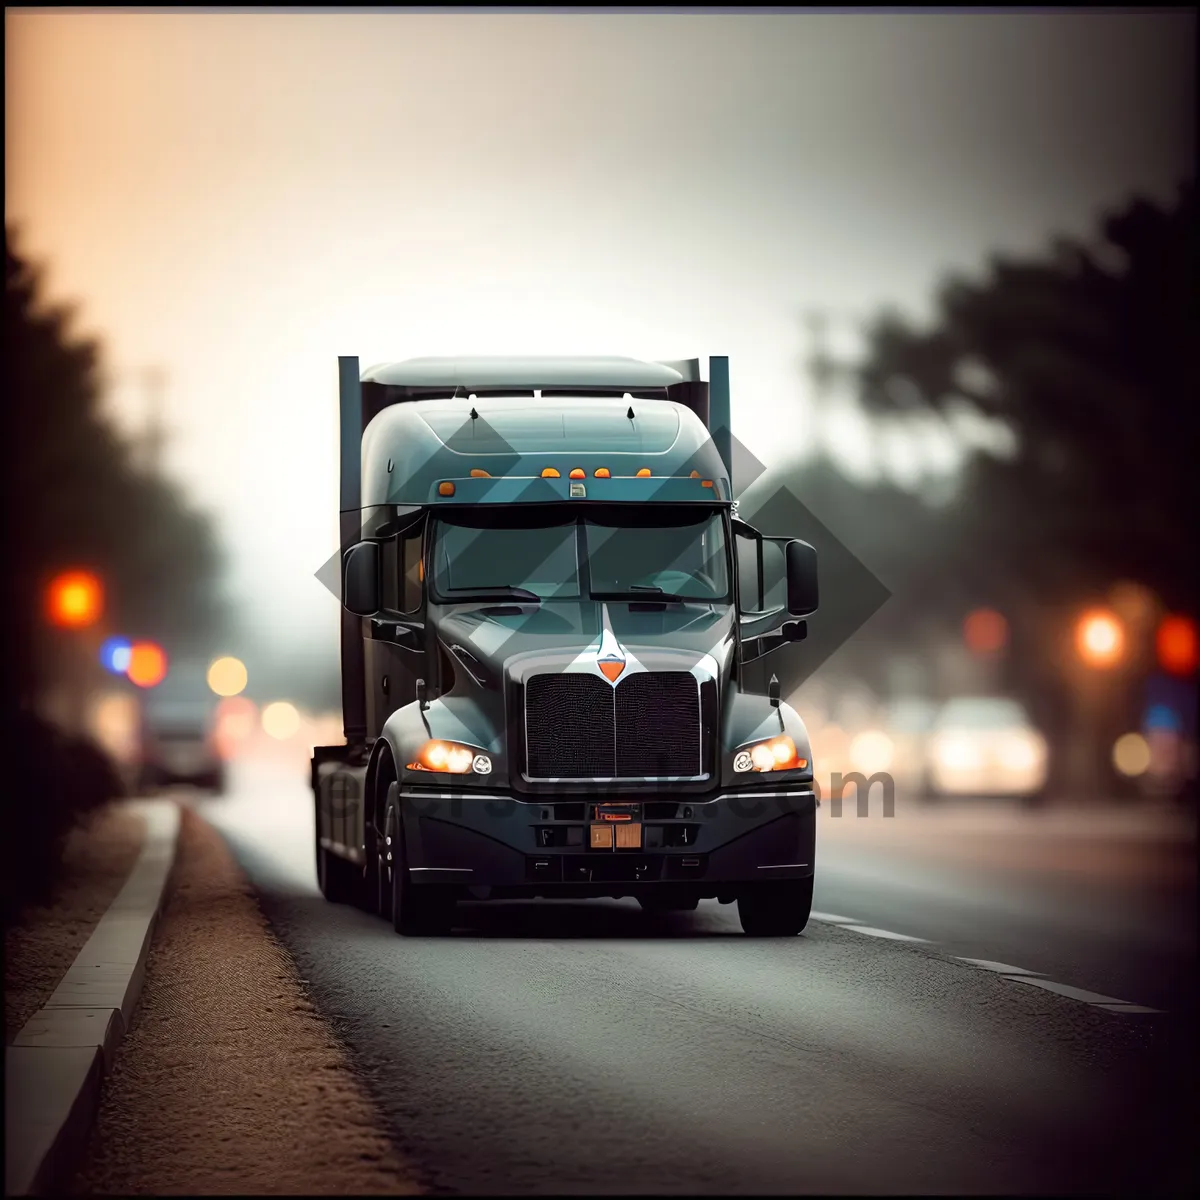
(615, 827)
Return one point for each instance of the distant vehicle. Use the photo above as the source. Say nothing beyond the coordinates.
(177, 734)
(552, 621)
(986, 746)
(908, 722)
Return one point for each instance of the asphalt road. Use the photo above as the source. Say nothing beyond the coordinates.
(587, 1047)
(1112, 910)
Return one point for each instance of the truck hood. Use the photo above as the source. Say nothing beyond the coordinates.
(498, 637)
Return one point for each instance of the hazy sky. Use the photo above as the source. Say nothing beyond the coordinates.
(242, 197)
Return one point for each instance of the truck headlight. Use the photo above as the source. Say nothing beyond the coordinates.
(775, 754)
(452, 758)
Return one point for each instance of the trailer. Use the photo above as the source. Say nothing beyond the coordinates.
(554, 626)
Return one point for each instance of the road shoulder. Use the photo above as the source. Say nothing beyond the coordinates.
(229, 1080)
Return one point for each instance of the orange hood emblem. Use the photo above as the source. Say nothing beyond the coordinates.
(610, 658)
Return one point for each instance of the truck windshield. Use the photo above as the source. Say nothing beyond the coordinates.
(679, 554)
(682, 556)
(494, 553)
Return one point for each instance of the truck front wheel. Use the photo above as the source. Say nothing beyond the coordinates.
(339, 880)
(776, 909)
(415, 911)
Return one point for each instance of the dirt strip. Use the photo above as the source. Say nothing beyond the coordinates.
(229, 1081)
(45, 939)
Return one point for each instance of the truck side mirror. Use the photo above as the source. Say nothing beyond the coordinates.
(360, 579)
(801, 578)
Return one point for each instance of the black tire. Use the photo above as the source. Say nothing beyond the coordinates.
(660, 904)
(776, 909)
(415, 911)
(340, 881)
(370, 898)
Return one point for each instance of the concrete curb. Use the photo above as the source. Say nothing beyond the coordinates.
(54, 1069)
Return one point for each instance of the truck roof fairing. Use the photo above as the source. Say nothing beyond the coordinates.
(409, 450)
(602, 374)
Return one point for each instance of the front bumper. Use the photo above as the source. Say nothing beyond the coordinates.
(497, 844)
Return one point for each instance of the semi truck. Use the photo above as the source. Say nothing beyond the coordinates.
(553, 643)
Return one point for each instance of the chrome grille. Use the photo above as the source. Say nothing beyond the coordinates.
(580, 727)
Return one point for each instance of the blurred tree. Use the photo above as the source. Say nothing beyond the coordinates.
(1087, 355)
(1074, 375)
(77, 497)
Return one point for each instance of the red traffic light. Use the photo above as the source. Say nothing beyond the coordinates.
(74, 599)
(1176, 645)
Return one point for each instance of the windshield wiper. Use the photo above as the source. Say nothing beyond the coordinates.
(504, 590)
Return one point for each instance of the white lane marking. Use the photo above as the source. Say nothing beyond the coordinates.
(1071, 993)
(1000, 968)
(870, 931)
(1015, 974)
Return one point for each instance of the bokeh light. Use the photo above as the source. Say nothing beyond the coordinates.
(871, 752)
(147, 664)
(113, 722)
(1175, 644)
(985, 631)
(1100, 638)
(280, 720)
(115, 655)
(75, 599)
(1131, 755)
(236, 720)
(227, 676)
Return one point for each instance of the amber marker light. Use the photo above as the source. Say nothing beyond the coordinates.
(446, 489)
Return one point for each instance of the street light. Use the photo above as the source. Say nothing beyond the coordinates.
(1100, 638)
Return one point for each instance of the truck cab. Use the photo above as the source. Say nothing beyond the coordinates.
(553, 632)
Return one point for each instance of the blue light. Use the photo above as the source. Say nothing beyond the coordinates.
(115, 655)
(1162, 716)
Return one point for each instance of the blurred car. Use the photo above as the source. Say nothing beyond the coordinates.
(906, 722)
(177, 728)
(986, 746)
